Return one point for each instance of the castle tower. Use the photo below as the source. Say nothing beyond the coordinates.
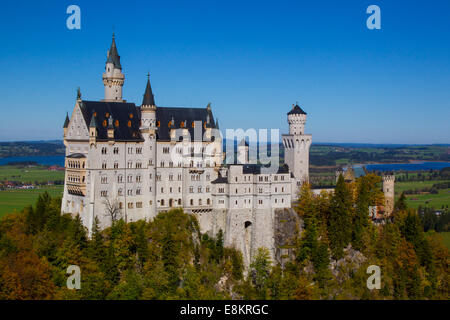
(242, 156)
(148, 108)
(148, 129)
(339, 172)
(388, 190)
(296, 145)
(113, 77)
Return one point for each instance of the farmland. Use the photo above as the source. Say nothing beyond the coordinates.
(17, 199)
(13, 177)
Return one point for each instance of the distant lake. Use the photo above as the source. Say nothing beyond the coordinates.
(424, 165)
(45, 160)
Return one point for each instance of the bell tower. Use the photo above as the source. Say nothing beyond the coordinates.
(113, 78)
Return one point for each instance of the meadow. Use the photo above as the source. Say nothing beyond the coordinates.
(431, 200)
(29, 174)
(446, 238)
(17, 199)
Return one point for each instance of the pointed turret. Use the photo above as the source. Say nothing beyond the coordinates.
(93, 123)
(113, 78)
(93, 130)
(217, 123)
(113, 56)
(148, 109)
(243, 143)
(66, 122)
(149, 98)
(66, 125)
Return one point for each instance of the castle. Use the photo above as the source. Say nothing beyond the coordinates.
(131, 162)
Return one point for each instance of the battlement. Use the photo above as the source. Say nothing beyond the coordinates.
(389, 178)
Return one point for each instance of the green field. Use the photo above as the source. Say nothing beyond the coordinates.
(430, 200)
(11, 200)
(446, 238)
(29, 174)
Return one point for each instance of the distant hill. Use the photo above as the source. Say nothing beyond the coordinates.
(31, 148)
(321, 153)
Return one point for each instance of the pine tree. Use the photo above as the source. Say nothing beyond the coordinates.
(260, 270)
(360, 220)
(96, 249)
(340, 220)
(401, 205)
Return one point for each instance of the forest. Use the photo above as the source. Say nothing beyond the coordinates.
(169, 257)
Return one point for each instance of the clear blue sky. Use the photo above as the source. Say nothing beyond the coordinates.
(250, 59)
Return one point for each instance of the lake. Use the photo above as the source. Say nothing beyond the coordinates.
(424, 165)
(46, 160)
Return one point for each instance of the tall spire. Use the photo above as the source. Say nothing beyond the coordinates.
(149, 98)
(113, 55)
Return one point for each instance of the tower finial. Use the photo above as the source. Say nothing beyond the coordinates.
(78, 93)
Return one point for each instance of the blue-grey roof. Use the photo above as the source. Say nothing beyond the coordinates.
(113, 55)
(149, 98)
(126, 114)
(180, 116)
(296, 110)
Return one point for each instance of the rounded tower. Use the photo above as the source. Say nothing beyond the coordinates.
(296, 145)
(296, 120)
(389, 193)
(113, 78)
(148, 130)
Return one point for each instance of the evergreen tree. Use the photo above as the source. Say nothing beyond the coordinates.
(400, 204)
(360, 219)
(260, 270)
(340, 220)
(96, 248)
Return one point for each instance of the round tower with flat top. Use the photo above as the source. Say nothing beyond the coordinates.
(388, 190)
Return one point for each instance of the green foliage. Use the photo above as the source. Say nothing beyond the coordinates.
(361, 217)
(260, 270)
(169, 258)
(340, 220)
